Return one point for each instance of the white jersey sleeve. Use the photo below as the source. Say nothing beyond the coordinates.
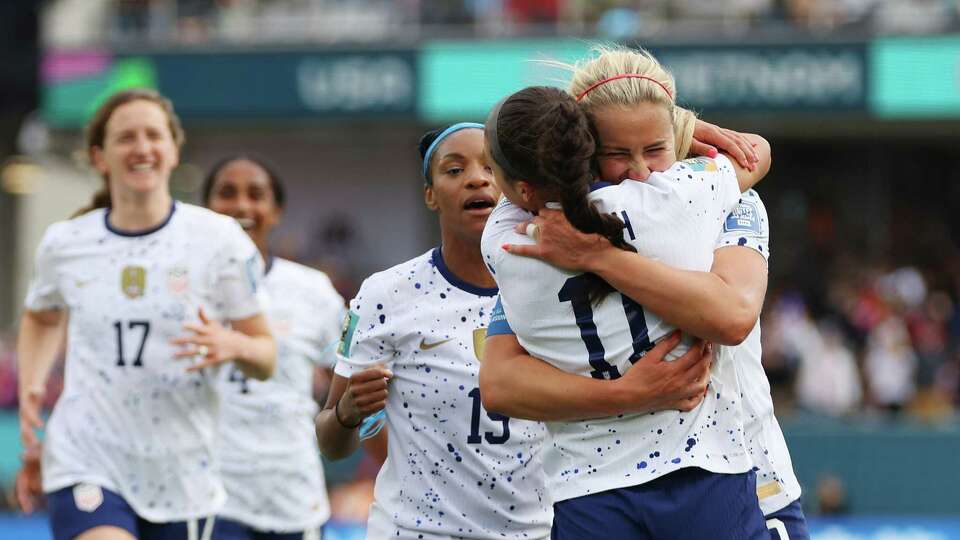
(709, 183)
(238, 273)
(365, 338)
(327, 335)
(748, 225)
(777, 486)
(44, 292)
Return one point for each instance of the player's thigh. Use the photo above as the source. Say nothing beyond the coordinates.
(106, 532)
(90, 512)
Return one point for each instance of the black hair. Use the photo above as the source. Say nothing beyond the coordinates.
(276, 184)
(548, 141)
(425, 141)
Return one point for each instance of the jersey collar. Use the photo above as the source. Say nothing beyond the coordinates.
(437, 258)
(145, 232)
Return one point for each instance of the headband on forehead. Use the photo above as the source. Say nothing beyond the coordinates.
(493, 125)
(602, 82)
(436, 142)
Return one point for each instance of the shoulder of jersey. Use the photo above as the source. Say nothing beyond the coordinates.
(193, 212)
(309, 278)
(70, 229)
(400, 272)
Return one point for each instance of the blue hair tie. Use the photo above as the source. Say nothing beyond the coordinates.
(436, 142)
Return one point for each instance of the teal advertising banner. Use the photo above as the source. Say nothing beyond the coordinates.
(462, 80)
(915, 77)
(217, 85)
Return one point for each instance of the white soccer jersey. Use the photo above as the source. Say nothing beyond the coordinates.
(674, 217)
(777, 485)
(268, 447)
(453, 470)
(130, 419)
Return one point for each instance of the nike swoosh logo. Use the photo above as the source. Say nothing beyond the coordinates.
(424, 346)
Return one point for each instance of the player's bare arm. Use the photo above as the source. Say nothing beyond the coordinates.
(521, 386)
(350, 401)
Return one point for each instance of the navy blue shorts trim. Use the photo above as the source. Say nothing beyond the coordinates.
(228, 529)
(688, 504)
(788, 523)
(81, 507)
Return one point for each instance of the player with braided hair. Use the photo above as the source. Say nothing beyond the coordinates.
(667, 466)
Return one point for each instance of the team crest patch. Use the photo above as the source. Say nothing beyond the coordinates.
(178, 280)
(744, 218)
(87, 497)
(701, 164)
(479, 340)
(346, 334)
(133, 281)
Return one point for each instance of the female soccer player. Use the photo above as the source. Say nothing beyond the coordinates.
(723, 304)
(411, 345)
(666, 466)
(129, 448)
(269, 458)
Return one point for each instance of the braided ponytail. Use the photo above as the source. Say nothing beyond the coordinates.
(549, 141)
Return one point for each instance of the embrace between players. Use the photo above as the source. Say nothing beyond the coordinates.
(528, 371)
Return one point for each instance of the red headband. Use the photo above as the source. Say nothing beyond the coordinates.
(624, 76)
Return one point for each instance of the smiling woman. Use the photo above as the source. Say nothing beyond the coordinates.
(130, 446)
(411, 346)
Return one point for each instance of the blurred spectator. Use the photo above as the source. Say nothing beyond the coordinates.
(831, 496)
(193, 21)
(829, 380)
(890, 363)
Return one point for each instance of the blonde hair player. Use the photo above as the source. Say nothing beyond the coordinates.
(667, 466)
(723, 305)
(129, 448)
(270, 462)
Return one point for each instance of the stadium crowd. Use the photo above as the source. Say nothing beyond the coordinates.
(243, 21)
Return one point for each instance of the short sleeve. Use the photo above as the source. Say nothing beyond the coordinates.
(367, 332)
(44, 292)
(499, 325)
(709, 185)
(747, 225)
(500, 230)
(331, 312)
(238, 274)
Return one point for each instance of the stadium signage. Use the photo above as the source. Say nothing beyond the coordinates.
(217, 85)
(916, 77)
(779, 77)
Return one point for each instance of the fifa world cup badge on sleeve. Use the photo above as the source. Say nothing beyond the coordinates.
(346, 335)
(744, 217)
(701, 164)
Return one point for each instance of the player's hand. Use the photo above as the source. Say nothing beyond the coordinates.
(210, 341)
(558, 242)
(709, 138)
(366, 393)
(28, 485)
(655, 384)
(31, 403)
